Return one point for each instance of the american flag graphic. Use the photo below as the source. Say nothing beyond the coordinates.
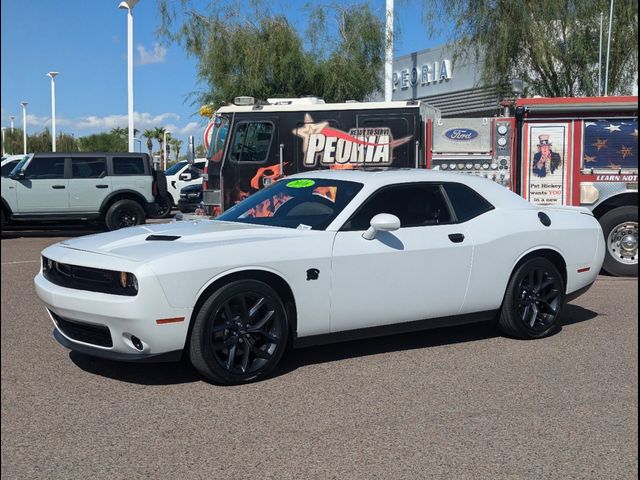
(611, 144)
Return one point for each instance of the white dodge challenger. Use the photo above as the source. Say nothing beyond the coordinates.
(315, 258)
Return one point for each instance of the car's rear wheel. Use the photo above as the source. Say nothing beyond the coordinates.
(124, 213)
(239, 334)
(533, 301)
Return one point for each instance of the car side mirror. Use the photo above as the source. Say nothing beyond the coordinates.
(18, 175)
(383, 222)
(186, 176)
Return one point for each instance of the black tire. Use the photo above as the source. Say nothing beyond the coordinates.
(239, 334)
(533, 301)
(165, 205)
(617, 225)
(124, 213)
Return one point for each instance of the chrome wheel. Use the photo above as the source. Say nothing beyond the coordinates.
(622, 243)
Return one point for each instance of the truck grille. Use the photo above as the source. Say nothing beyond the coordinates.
(84, 332)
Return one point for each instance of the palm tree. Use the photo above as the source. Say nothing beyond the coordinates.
(176, 144)
(158, 134)
(149, 135)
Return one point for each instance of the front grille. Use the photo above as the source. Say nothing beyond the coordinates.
(90, 279)
(84, 332)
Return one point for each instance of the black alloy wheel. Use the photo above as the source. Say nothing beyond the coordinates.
(533, 300)
(240, 333)
(124, 213)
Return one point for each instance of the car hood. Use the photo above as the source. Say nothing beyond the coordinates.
(148, 242)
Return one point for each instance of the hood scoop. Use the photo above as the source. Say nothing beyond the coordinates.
(162, 238)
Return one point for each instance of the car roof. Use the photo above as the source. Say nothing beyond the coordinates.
(495, 193)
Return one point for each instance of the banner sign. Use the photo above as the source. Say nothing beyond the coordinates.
(546, 159)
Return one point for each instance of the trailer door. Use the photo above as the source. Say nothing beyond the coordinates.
(253, 158)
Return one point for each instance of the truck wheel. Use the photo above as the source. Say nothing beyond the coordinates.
(620, 228)
(124, 213)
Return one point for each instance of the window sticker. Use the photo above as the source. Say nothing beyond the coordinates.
(302, 183)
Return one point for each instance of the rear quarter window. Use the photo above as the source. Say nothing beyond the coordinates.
(128, 166)
(466, 202)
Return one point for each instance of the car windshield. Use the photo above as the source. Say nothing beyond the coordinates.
(307, 204)
(173, 169)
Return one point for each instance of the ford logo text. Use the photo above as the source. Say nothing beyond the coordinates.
(461, 134)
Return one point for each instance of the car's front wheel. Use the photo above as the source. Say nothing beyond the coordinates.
(239, 334)
(533, 301)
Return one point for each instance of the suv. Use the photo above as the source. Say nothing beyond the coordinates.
(119, 188)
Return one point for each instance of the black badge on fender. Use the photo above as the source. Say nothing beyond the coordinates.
(313, 274)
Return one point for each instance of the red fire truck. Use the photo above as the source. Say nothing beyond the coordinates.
(552, 151)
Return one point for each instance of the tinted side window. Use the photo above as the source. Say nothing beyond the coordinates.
(128, 166)
(251, 142)
(414, 205)
(88, 167)
(466, 202)
(45, 168)
(7, 167)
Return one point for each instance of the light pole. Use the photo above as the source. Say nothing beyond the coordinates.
(11, 118)
(4, 151)
(388, 57)
(128, 5)
(52, 75)
(164, 147)
(24, 126)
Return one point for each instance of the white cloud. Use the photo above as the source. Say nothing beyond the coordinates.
(191, 128)
(158, 54)
(141, 121)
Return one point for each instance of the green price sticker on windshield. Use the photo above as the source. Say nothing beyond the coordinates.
(302, 183)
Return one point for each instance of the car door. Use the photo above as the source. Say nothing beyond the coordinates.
(44, 188)
(89, 184)
(417, 272)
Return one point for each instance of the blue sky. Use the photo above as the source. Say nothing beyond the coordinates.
(86, 42)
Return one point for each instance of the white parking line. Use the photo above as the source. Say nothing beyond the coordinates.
(22, 261)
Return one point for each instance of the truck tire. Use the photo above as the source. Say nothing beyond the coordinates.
(124, 213)
(165, 205)
(620, 228)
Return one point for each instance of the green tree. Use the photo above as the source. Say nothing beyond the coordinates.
(103, 142)
(263, 56)
(149, 134)
(176, 144)
(551, 44)
(158, 134)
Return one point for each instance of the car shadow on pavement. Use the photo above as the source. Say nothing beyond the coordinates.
(571, 315)
(183, 372)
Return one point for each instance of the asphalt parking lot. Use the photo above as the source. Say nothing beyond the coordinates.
(461, 403)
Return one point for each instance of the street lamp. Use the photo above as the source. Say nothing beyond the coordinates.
(4, 151)
(52, 75)
(128, 5)
(24, 126)
(11, 118)
(164, 146)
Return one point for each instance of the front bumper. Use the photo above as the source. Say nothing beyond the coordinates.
(129, 323)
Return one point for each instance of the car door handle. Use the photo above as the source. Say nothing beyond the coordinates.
(456, 237)
(102, 186)
(57, 187)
